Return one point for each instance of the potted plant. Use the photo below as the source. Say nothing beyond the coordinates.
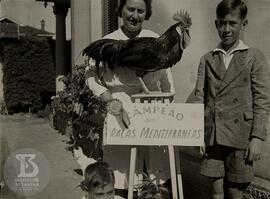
(147, 189)
(82, 112)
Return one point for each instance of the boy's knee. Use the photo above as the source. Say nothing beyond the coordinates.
(237, 186)
(216, 186)
(236, 190)
(218, 196)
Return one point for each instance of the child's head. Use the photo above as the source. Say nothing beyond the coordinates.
(226, 7)
(231, 19)
(99, 181)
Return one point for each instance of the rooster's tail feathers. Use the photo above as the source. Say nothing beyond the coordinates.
(99, 49)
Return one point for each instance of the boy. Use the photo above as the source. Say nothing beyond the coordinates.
(233, 83)
(99, 182)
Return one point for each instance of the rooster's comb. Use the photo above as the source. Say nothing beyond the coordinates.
(183, 17)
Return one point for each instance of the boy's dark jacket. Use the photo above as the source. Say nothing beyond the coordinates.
(237, 101)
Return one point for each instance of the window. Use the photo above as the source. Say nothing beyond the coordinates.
(110, 16)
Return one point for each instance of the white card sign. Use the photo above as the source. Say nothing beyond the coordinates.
(158, 124)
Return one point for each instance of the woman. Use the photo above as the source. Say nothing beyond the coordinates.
(122, 82)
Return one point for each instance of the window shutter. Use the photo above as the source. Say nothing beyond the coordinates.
(110, 17)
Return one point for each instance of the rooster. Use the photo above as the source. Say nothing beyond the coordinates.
(144, 54)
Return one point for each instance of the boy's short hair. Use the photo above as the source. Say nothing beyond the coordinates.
(98, 174)
(148, 4)
(227, 6)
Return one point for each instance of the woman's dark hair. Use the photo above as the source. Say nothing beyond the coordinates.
(148, 4)
(96, 175)
(227, 6)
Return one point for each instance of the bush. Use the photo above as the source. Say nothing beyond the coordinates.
(28, 73)
(82, 110)
(45, 113)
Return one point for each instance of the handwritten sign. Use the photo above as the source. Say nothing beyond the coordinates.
(158, 124)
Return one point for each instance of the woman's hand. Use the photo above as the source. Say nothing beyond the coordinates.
(203, 150)
(115, 108)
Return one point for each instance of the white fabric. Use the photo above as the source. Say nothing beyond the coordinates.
(91, 81)
(95, 87)
(119, 34)
(123, 79)
(115, 197)
(122, 82)
(170, 78)
(227, 56)
(82, 160)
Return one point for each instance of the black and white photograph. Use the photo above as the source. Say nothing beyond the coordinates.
(134, 99)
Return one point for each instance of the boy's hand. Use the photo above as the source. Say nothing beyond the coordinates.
(253, 152)
(203, 150)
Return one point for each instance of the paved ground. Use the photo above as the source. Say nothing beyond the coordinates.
(22, 131)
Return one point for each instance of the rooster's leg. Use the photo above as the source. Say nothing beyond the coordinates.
(144, 87)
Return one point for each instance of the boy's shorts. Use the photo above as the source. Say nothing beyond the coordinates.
(227, 162)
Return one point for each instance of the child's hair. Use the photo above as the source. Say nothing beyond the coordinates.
(227, 6)
(96, 175)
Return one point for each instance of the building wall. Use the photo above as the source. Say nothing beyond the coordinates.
(203, 38)
(86, 25)
(258, 35)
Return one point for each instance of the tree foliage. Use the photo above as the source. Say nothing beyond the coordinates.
(28, 73)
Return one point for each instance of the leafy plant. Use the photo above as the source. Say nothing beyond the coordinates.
(82, 110)
(28, 73)
(149, 190)
(253, 192)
